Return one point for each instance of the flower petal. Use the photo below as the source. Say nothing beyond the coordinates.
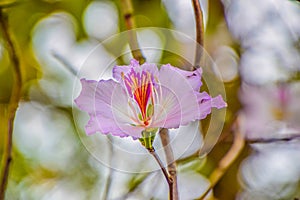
(193, 77)
(180, 103)
(178, 98)
(150, 67)
(168, 108)
(117, 70)
(92, 126)
(134, 64)
(206, 102)
(98, 99)
(87, 95)
(218, 102)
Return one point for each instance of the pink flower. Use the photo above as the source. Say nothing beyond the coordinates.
(141, 97)
(271, 111)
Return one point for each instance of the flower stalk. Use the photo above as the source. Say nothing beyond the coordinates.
(147, 142)
(165, 140)
(13, 104)
(161, 165)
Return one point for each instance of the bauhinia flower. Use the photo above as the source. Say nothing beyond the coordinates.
(271, 111)
(144, 98)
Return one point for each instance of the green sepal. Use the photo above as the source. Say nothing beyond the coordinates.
(147, 138)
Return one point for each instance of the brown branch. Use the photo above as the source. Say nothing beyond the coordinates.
(170, 175)
(199, 32)
(137, 54)
(163, 169)
(285, 138)
(165, 140)
(127, 10)
(226, 161)
(13, 103)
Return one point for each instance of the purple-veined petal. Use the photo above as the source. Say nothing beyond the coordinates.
(105, 110)
(117, 70)
(149, 67)
(124, 113)
(168, 107)
(176, 89)
(134, 63)
(193, 77)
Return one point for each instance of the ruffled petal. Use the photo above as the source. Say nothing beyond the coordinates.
(117, 71)
(87, 96)
(193, 77)
(92, 126)
(134, 64)
(108, 114)
(206, 102)
(218, 102)
(178, 98)
(150, 67)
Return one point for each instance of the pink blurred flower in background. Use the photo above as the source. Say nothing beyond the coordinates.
(142, 97)
(271, 111)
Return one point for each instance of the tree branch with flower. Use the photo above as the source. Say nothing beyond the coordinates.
(140, 99)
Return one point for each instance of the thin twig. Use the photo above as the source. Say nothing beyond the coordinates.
(165, 140)
(13, 103)
(165, 172)
(127, 10)
(226, 161)
(285, 138)
(161, 165)
(199, 32)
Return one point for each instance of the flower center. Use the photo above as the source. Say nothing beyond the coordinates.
(140, 87)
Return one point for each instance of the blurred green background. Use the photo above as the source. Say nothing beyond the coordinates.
(50, 161)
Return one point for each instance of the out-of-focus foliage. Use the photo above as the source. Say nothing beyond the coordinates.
(252, 43)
